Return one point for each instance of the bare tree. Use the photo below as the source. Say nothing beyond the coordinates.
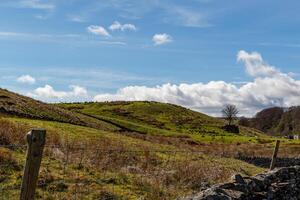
(230, 113)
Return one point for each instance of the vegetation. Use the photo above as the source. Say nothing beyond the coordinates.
(276, 121)
(156, 118)
(111, 164)
(124, 150)
(18, 105)
(230, 113)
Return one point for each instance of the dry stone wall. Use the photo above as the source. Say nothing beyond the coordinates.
(279, 184)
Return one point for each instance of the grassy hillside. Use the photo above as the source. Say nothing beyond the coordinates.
(290, 121)
(277, 121)
(17, 105)
(124, 150)
(156, 118)
(110, 165)
(115, 166)
(144, 118)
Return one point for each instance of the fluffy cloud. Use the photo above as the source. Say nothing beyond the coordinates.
(123, 27)
(269, 87)
(98, 30)
(26, 79)
(255, 65)
(160, 39)
(48, 92)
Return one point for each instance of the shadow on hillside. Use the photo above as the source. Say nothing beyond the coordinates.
(265, 161)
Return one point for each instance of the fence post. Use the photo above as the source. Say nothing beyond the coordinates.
(273, 162)
(35, 145)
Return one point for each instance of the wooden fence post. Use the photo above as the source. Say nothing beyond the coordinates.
(35, 141)
(273, 162)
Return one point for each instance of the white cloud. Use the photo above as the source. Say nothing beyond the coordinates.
(293, 74)
(76, 18)
(123, 27)
(36, 4)
(41, 17)
(176, 13)
(98, 30)
(269, 87)
(160, 39)
(26, 79)
(48, 92)
(78, 91)
(255, 65)
(76, 39)
(186, 17)
(12, 34)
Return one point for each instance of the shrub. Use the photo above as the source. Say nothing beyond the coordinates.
(11, 133)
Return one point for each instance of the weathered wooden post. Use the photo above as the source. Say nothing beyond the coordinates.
(35, 141)
(273, 162)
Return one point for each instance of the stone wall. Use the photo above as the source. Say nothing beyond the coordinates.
(279, 184)
(265, 161)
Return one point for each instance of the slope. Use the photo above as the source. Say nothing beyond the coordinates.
(151, 117)
(17, 105)
(277, 121)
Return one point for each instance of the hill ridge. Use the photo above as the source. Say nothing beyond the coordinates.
(142, 116)
(18, 105)
(276, 120)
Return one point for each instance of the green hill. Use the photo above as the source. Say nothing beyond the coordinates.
(17, 105)
(155, 118)
(151, 118)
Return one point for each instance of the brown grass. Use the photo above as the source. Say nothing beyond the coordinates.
(11, 133)
(140, 169)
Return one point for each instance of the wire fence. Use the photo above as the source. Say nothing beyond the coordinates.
(85, 172)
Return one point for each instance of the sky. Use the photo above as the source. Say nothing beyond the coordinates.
(201, 54)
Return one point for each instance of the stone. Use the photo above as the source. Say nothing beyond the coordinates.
(238, 179)
(279, 184)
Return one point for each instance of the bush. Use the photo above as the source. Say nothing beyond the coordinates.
(231, 129)
(11, 133)
(6, 158)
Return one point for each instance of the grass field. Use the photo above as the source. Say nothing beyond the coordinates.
(163, 119)
(121, 174)
(118, 166)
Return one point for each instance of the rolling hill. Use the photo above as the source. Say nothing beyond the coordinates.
(277, 121)
(153, 117)
(17, 105)
(140, 118)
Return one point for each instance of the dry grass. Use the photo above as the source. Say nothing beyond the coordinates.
(11, 133)
(6, 157)
(140, 170)
(120, 167)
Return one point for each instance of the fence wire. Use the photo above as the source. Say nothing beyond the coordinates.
(82, 172)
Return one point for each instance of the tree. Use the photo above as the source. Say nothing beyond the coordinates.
(230, 113)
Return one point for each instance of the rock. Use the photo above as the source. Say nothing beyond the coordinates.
(279, 184)
(225, 185)
(238, 179)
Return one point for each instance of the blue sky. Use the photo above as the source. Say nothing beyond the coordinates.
(74, 50)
